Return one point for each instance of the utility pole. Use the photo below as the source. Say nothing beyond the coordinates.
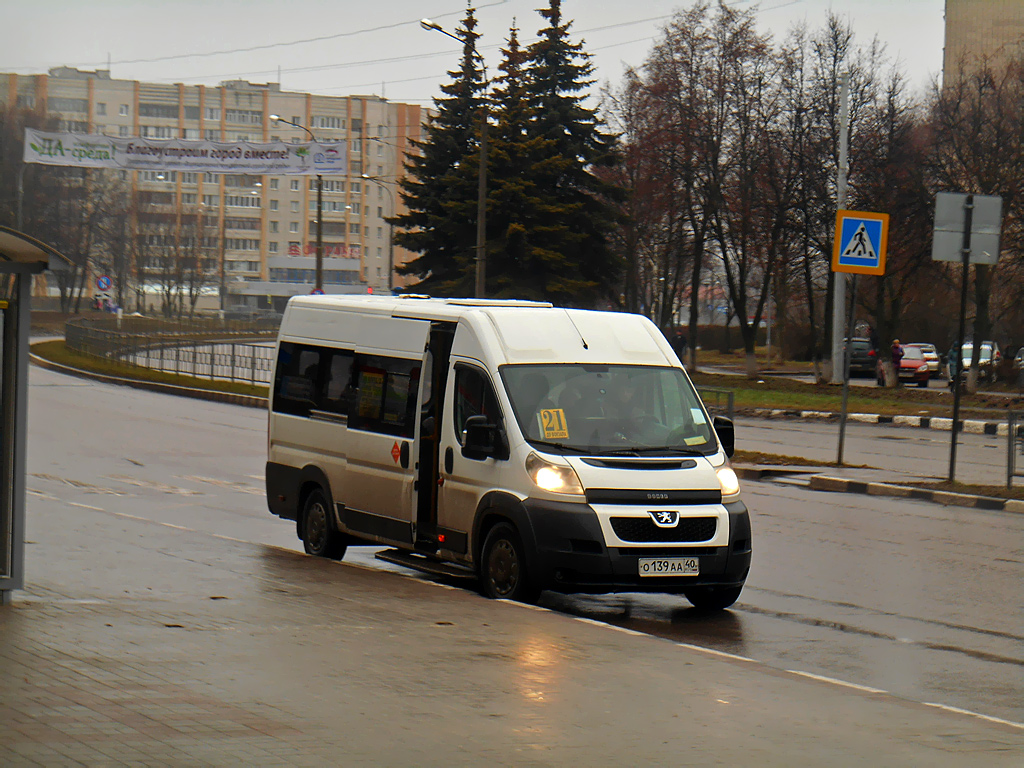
(839, 291)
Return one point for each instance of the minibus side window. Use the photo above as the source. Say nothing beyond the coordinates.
(340, 384)
(474, 396)
(296, 379)
(384, 397)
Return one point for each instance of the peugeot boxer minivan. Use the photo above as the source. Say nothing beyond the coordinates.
(533, 446)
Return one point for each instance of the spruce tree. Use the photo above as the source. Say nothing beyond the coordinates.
(524, 241)
(557, 70)
(440, 189)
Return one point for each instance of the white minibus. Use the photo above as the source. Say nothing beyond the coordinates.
(531, 446)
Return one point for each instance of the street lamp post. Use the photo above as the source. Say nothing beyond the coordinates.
(481, 193)
(391, 228)
(319, 287)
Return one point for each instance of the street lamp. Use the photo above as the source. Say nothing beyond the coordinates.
(481, 194)
(391, 228)
(319, 287)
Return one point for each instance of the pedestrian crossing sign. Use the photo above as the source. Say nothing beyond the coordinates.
(861, 239)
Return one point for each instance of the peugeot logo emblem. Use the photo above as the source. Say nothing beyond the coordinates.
(664, 518)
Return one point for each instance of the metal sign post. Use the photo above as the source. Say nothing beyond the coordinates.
(967, 229)
(860, 247)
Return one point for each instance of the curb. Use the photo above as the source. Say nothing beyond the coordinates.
(249, 401)
(845, 485)
(970, 426)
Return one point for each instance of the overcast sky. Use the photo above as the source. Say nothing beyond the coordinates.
(341, 47)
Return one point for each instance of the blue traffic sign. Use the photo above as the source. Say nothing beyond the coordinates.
(103, 283)
(860, 243)
(317, 292)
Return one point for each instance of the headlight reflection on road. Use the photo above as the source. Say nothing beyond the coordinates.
(540, 665)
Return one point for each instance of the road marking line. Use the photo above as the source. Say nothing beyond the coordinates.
(969, 713)
(85, 506)
(834, 681)
(723, 654)
(617, 628)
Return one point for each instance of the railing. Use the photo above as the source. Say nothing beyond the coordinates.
(1014, 445)
(718, 400)
(206, 349)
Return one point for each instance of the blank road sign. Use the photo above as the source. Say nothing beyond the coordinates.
(861, 239)
(986, 226)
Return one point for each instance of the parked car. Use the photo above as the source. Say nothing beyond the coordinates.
(931, 356)
(862, 357)
(988, 361)
(913, 368)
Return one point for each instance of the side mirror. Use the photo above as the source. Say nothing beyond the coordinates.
(726, 434)
(480, 439)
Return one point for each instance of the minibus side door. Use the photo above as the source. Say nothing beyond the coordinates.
(435, 380)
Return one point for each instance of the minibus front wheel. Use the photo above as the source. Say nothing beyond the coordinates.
(503, 569)
(319, 536)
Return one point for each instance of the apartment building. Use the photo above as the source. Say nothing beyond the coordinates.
(267, 224)
(981, 30)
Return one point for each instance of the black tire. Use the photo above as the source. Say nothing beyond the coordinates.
(713, 598)
(503, 571)
(319, 536)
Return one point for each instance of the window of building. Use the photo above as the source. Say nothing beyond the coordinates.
(211, 201)
(101, 108)
(192, 113)
(356, 188)
(212, 134)
(213, 113)
(355, 168)
(68, 105)
(272, 246)
(99, 128)
(273, 205)
(293, 226)
(254, 266)
(295, 185)
(191, 133)
(74, 126)
(380, 150)
(166, 111)
(326, 121)
(160, 176)
(295, 206)
(247, 116)
(242, 201)
(380, 232)
(273, 184)
(157, 131)
(241, 244)
(357, 125)
(273, 226)
(123, 110)
(380, 212)
(188, 198)
(353, 229)
(122, 130)
(190, 178)
(211, 177)
(357, 145)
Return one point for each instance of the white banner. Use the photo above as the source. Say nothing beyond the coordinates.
(80, 150)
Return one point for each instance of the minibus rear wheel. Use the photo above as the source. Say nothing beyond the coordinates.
(319, 536)
(503, 572)
(713, 598)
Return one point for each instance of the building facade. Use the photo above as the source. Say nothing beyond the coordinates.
(981, 30)
(265, 225)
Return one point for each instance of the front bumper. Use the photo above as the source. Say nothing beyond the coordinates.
(570, 554)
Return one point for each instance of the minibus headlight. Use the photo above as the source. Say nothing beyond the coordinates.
(728, 480)
(557, 478)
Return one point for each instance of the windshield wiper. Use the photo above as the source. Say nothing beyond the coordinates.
(646, 451)
(561, 446)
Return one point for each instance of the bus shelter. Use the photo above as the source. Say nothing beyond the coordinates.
(21, 257)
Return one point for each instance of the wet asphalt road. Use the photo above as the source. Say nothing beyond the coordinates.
(919, 600)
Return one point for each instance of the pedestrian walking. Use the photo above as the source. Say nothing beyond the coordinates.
(897, 354)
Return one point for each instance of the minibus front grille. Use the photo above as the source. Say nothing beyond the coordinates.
(629, 496)
(643, 529)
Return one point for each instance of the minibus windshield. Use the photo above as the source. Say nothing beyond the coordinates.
(577, 408)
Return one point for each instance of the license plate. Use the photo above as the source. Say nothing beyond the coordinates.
(669, 566)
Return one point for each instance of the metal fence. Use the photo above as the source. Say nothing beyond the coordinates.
(208, 349)
(719, 401)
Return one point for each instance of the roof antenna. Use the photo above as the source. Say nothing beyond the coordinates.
(577, 329)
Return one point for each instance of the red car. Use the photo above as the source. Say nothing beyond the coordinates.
(913, 368)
